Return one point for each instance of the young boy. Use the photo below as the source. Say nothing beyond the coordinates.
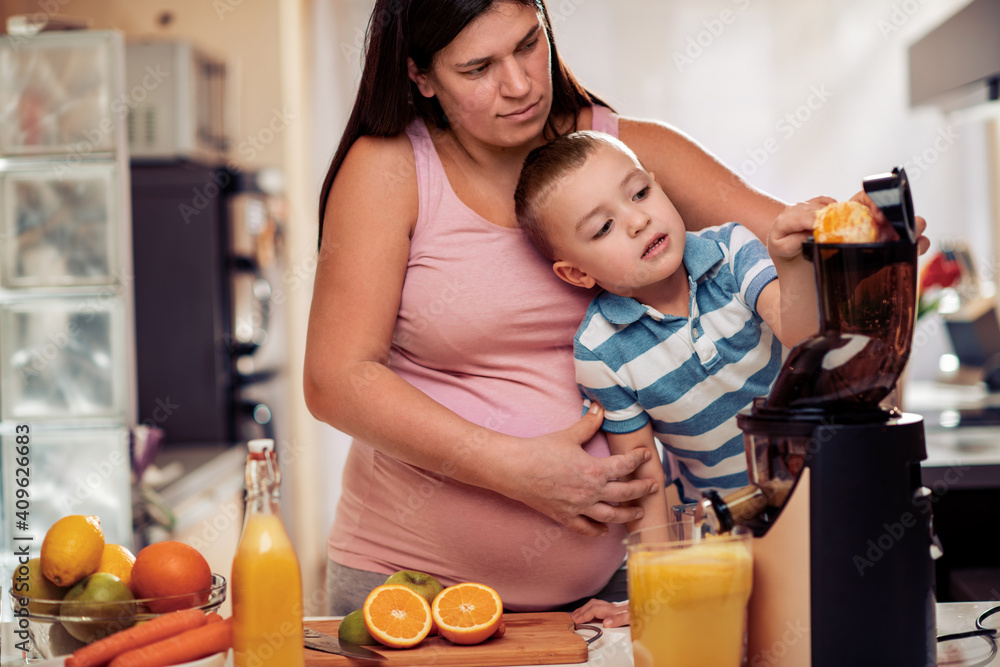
(689, 327)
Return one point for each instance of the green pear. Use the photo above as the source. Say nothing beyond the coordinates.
(100, 596)
(420, 582)
(29, 582)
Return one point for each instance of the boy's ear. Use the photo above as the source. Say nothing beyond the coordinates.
(573, 275)
(419, 78)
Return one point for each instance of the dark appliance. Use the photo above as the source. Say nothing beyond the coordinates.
(183, 324)
(844, 543)
(209, 337)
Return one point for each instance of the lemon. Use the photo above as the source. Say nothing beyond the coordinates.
(352, 629)
(117, 560)
(72, 549)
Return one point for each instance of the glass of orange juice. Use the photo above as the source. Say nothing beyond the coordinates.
(688, 595)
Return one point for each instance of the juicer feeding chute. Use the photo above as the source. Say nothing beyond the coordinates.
(867, 309)
(867, 294)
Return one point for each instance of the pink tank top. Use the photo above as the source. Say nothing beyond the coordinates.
(486, 329)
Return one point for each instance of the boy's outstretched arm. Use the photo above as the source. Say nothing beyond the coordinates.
(788, 304)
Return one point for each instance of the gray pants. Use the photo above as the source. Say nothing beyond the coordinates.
(347, 588)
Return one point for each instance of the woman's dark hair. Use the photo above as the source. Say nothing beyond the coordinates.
(388, 100)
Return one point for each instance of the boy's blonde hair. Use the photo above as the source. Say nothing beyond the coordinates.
(542, 172)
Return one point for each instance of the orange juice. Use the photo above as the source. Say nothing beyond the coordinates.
(267, 597)
(266, 582)
(688, 604)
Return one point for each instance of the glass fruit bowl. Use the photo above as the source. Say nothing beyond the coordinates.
(58, 628)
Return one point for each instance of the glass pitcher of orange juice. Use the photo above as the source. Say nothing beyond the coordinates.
(266, 580)
(688, 595)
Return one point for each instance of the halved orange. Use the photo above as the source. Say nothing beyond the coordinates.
(397, 616)
(467, 613)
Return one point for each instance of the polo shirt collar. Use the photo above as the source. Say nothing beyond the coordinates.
(700, 255)
(620, 309)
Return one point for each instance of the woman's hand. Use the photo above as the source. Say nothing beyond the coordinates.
(923, 243)
(611, 614)
(557, 477)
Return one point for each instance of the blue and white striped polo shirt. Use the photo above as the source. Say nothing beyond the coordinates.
(689, 375)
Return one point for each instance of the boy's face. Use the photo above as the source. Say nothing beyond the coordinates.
(611, 224)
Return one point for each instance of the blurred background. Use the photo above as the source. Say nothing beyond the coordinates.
(800, 97)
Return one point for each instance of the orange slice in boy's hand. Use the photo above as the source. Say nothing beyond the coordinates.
(467, 613)
(845, 222)
(851, 222)
(397, 616)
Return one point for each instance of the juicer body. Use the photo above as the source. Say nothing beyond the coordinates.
(843, 572)
(843, 565)
(867, 311)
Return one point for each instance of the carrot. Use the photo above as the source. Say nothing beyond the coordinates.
(185, 647)
(161, 627)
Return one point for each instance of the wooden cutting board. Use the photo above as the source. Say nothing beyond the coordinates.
(536, 638)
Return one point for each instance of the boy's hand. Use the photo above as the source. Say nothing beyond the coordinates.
(614, 614)
(792, 227)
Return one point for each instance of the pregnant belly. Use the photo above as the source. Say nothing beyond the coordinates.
(395, 516)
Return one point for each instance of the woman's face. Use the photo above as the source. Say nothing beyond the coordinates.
(494, 80)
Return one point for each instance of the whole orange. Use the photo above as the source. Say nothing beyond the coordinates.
(171, 570)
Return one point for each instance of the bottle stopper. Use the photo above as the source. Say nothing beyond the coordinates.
(260, 445)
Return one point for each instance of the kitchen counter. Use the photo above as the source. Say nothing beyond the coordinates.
(614, 648)
(962, 458)
(962, 468)
(959, 456)
(960, 617)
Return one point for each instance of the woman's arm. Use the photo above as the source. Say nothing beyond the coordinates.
(348, 384)
(704, 191)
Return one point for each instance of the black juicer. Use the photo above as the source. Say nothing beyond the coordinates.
(843, 565)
